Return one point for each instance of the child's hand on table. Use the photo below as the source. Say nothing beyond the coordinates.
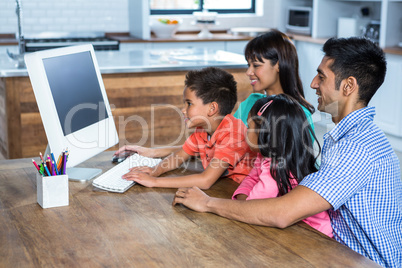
(144, 169)
(140, 177)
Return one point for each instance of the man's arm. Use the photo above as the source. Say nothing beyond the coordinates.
(281, 212)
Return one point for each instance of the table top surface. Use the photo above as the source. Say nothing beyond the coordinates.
(141, 228)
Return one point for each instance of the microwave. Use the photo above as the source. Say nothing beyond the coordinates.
(299, 19)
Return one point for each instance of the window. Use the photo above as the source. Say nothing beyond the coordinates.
(189, 6)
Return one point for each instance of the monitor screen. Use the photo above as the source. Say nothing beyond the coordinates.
(75, 75)
(72, 102)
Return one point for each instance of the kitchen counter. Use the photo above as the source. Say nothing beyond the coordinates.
(145, 61)
(180, 37)
(223, 36)
(9, 39)
(390, 50)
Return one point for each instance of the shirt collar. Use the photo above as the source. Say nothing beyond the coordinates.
(349, 121)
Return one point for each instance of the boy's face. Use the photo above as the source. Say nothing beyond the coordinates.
(194, 111)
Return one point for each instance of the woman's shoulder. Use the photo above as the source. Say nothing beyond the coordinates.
(252, 98)
(306, 111)
(308, 114)
(256, 96)
(246, 105)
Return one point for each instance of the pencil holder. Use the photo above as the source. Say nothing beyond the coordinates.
(52, 191)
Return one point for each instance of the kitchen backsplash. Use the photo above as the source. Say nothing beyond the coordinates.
(110, 16)
(65, 15)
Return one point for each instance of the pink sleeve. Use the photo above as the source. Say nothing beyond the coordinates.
(266, 186)
(248, 183)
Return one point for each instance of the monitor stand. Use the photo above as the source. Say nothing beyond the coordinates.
(78, 173)
(82, 174)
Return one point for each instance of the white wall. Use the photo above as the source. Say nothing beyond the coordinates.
(65, 15)
(109, 16)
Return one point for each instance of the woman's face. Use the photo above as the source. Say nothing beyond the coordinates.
(264, 76)
(252, 135)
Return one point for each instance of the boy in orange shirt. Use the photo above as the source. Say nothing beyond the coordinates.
(219, 139)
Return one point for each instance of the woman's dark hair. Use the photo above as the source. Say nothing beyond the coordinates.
(285, 136)
(277, 47)
(358, 57)
(212, 84)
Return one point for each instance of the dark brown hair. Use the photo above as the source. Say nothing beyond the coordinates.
(213, 84)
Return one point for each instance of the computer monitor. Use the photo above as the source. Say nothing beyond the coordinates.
(73, 105)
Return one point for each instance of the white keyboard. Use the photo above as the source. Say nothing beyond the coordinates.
(111, 180)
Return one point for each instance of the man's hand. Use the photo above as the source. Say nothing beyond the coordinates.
(192, 198)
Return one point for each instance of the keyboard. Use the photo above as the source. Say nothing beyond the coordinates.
(111, 180)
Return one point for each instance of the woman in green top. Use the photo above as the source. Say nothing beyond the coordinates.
(273, 69)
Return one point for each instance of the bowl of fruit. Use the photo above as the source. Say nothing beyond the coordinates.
(164, 27)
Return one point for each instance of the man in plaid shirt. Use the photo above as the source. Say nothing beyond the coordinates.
(359, 179)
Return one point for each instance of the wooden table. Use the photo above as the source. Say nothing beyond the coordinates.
(141, 228)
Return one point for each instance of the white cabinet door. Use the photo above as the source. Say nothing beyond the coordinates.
(388, 98)
(310, 56)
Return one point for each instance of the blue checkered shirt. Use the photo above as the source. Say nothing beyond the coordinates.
(360, 177)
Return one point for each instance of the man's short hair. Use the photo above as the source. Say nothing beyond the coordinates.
(360, 58)
(213, 84)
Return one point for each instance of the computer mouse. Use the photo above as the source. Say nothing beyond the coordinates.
(119, 158)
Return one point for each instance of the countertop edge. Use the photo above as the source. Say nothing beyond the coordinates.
(221, 36)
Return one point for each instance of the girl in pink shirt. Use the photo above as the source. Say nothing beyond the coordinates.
(282, 136)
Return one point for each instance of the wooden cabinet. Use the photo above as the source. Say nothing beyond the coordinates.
(146, 109)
